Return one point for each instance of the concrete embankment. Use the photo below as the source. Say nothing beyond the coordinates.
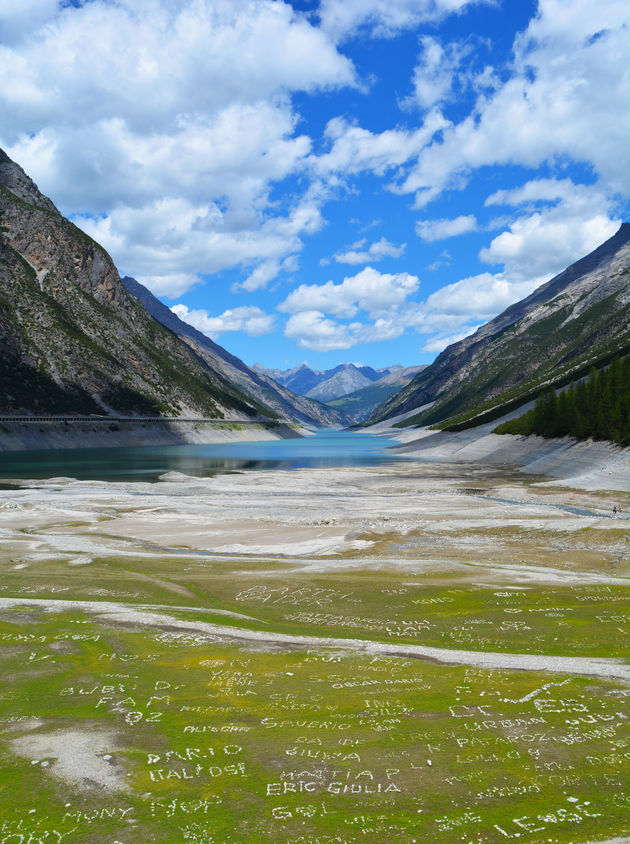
(21, 436)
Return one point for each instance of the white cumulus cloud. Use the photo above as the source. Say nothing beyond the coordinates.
(477, 297)
(384, 18)
(436, 71)
(431, 230)
(536, 190)
(123, 110)
(313, 330)
(569, 84)
(359, 254)
(248, 318)
(562, 222)
(354, 150)
(369, 290)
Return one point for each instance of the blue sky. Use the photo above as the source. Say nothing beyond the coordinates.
(326, 180)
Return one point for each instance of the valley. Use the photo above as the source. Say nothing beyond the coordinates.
(327, 603)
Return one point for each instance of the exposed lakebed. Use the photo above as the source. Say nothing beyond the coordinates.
(390, 651)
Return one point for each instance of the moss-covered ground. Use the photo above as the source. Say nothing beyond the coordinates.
(211, 742)
(121, 728)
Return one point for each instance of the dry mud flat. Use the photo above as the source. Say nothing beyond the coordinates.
(423, 651)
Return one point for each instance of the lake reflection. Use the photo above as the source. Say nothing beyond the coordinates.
(323, 449)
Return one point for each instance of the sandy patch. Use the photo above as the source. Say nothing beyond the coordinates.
(86, 759)
(612, 841)
(81, 560)
(315, 546)
(411, 515)
(454, 514)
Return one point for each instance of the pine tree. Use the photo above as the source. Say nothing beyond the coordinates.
(598, 407)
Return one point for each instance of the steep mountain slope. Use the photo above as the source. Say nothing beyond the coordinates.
(398, 375)
(360, 404)
(580, 317)
(257, 386)
(72, 340)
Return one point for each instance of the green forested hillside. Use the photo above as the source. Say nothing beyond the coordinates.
(598, 407)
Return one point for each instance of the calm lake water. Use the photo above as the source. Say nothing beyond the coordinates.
(323, 449)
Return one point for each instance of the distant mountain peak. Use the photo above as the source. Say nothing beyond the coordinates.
(340, 380)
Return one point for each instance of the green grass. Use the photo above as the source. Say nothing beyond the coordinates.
(222, 741)
(383, 605)
(249, 745)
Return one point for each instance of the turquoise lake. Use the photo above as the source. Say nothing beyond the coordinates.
(323, 449)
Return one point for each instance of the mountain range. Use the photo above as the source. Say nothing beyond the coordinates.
(326, 384)
(577, 320)
(75, 339)
(349, 388)
(361, 403)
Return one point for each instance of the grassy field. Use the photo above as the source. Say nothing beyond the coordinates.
(212, 697)
(116, 734)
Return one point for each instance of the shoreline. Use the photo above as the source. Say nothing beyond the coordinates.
(581, 464)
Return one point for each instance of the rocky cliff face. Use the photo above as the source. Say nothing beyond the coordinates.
(579, 318)
(15, 179)
(72, 339)
(256, 385)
